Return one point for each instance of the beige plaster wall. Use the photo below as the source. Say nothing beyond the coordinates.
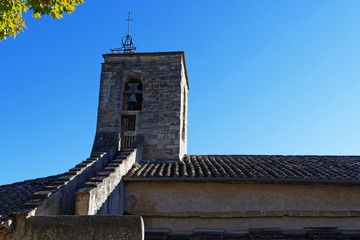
(239, 206)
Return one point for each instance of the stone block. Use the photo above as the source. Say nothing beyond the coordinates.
(354, 213)
(84, 227)
(252, 214)
(338, 213)
(274, 213)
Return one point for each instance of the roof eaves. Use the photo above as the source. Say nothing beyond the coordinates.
(242, 180)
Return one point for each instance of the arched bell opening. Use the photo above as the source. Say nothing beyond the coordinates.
(132, 102)
(132, 94)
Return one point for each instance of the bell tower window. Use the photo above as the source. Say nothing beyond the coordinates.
(128, 133)
(132, 103)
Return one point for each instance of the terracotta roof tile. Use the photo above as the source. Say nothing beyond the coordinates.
(13, 196)
(237, 167)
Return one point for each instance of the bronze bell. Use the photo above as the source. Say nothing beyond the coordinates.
(132, 100)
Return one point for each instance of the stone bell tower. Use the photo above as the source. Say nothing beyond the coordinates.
(143, 95)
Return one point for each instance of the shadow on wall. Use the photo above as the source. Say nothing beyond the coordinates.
(114, 204)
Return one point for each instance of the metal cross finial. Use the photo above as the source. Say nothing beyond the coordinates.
(127, 45)
(128, 20)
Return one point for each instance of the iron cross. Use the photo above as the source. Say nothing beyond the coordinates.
(128, 20)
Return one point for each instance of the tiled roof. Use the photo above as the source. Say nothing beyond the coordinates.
(253, 167)
(13, 196)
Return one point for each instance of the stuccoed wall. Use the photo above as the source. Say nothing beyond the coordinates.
(240, 206)
(159, 122)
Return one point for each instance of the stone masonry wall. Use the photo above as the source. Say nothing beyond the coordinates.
(160, 121)
(109, 109)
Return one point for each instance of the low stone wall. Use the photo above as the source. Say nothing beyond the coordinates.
(104, 193)
(241, 206)
(83, 228)
(59, 198)
(4, 230)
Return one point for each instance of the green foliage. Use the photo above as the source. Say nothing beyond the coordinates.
(136, 165)
(11, 13)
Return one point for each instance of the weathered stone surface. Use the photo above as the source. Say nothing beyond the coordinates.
(105, 194)
(162, 121)
(83, 228)
(62, 201)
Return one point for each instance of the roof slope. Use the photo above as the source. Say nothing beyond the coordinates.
(13, 196)
(253, 167)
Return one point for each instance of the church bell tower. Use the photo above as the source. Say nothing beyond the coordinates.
(143, 95)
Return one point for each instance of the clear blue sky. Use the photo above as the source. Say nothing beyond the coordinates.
(266, 77)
